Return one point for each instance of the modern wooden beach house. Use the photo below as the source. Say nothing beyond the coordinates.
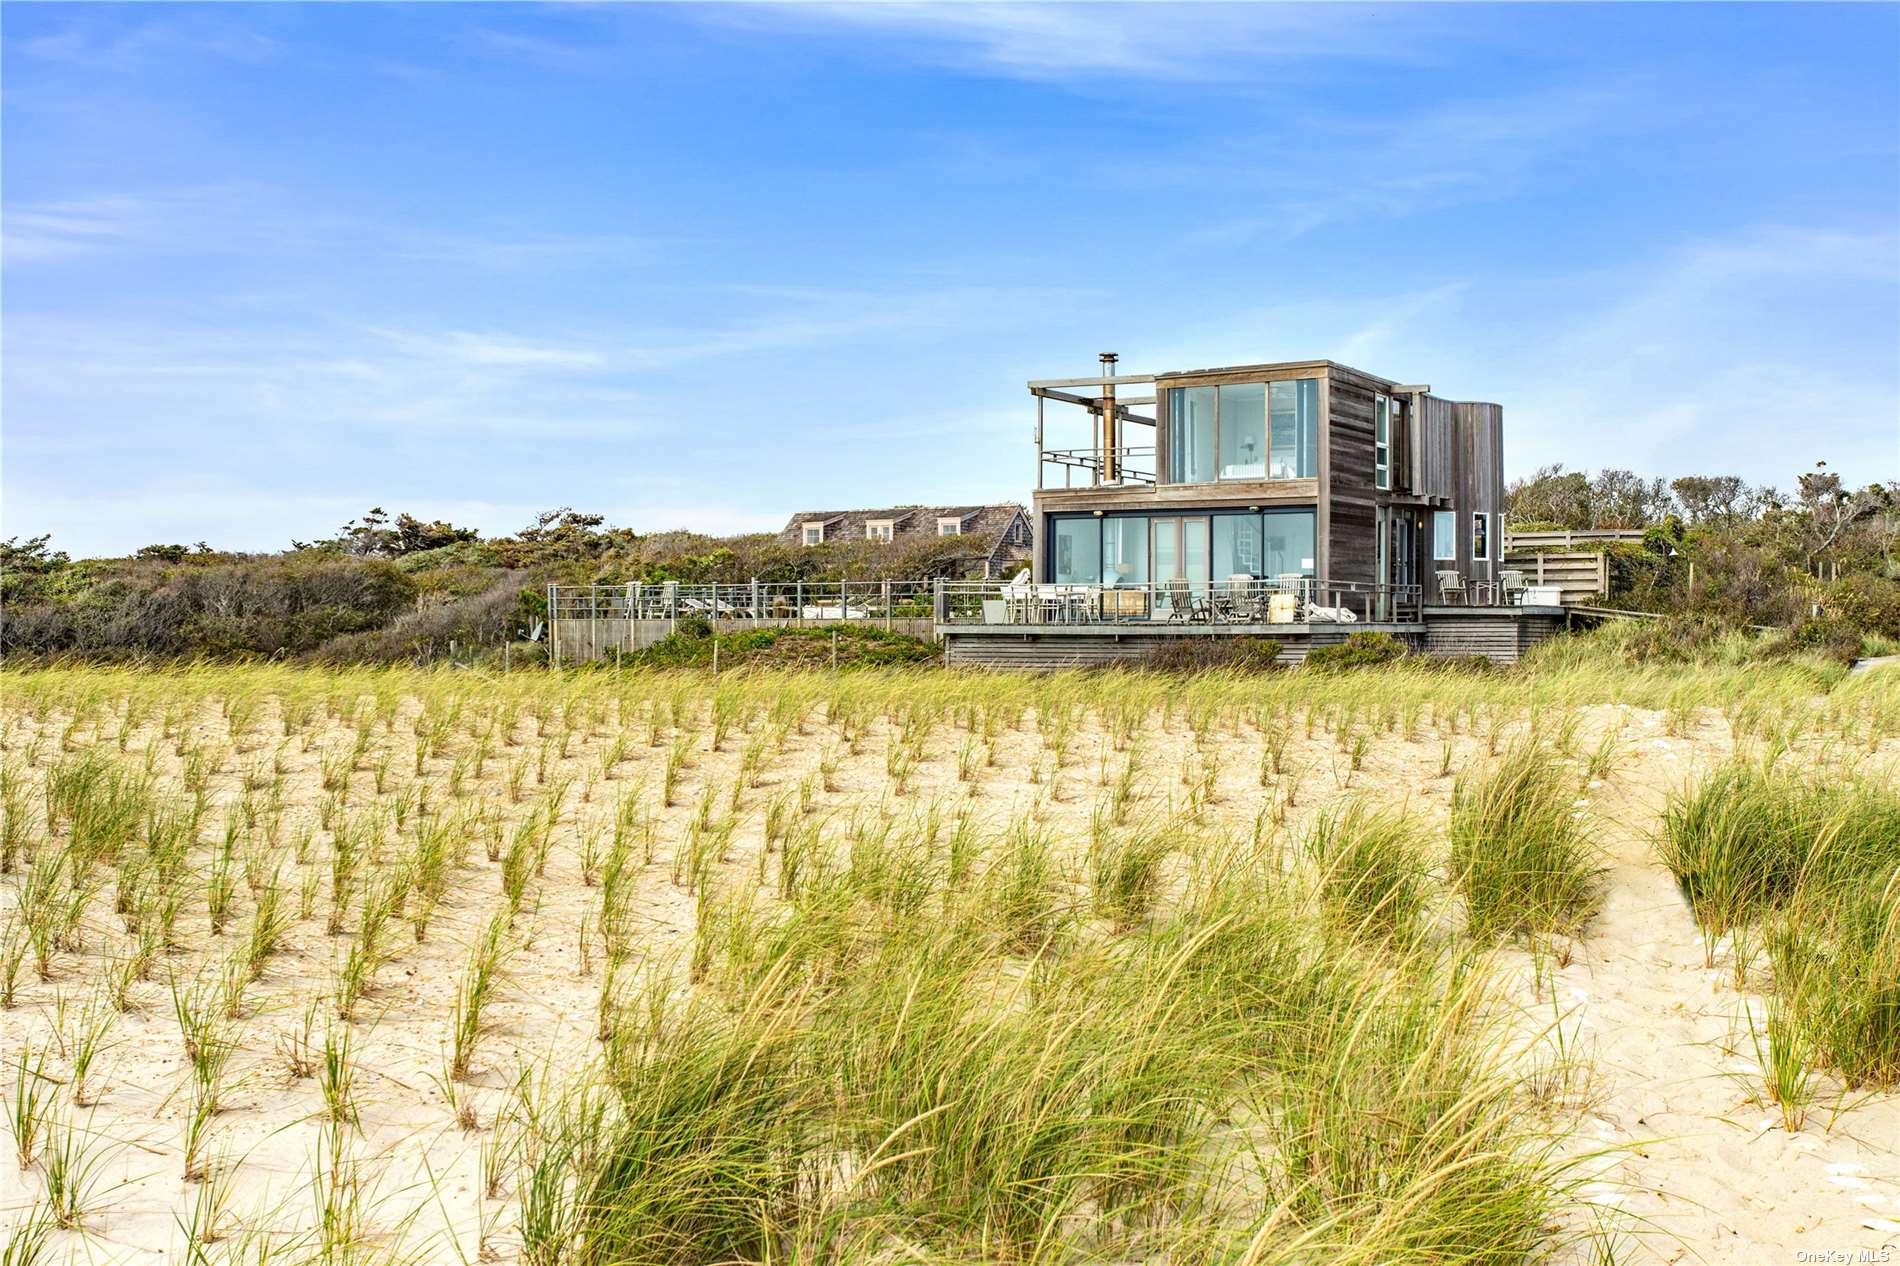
(1268, 472)
(1300, 501)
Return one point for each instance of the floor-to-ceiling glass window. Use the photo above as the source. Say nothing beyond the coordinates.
(1288, 542)
(1243, 430)
(1125, 552)
(1294, 411)
(1076, 557)
(1191, 434)
(1237, 547)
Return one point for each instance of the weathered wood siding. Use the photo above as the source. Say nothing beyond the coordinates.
(1502, 639)
(1435, 460)
(1347, 480)
(1480, 482)
(1052, 653)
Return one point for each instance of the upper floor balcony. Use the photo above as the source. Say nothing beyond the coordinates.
(1235, 430)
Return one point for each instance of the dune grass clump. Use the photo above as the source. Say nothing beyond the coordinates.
(1372, 872)
(1222, 1079)
(1520, 850)
(1815, 863)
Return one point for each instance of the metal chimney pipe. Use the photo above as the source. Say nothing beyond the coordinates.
(1111, 459)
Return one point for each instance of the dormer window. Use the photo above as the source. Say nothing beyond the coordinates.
(880, 529)
(949, 527)
(814, 534)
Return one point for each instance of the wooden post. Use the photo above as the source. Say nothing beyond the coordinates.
(715, 657)
(757, 615)
(798, 602)
(554, 642)
(834, 650)
(940, 604)
(887, 606)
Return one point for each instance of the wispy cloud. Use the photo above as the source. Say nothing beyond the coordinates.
(106, 45)
(1203, 42)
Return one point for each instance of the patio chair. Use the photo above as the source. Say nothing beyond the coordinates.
(1451, 584)
(1513, 584)
(1180, 601)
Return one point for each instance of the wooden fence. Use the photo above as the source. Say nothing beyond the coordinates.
(1578, 576)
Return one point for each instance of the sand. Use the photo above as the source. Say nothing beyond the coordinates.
(1689, 1162)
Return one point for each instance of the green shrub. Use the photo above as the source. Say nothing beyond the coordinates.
(1359, 650)
(1213, 654)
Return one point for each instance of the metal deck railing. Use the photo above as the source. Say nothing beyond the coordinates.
(1216, 604)
(798, 601)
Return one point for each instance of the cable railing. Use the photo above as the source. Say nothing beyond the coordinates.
(809, 601)
(1289, 599)
(1092, 467)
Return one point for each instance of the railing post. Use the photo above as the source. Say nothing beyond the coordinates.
(554, 641)
(940, 604)
(798, 596)
(887, 606)
(757, 614)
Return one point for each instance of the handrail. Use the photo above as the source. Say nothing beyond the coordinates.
(1288, 599)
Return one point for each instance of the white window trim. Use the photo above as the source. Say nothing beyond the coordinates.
(1444, 544)
(1382, 443)
(871, 532)
(954, 524)
(807, 531)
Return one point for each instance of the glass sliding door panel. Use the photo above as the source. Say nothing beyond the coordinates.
(1243, 431)
(1194, 556)
(1078, 552)
(1289, 542)
(1237, 549)
(1191, 435)
(1125, 552)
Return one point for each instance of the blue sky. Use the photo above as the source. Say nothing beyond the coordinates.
(266, 266)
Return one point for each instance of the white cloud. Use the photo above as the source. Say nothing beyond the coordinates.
(1236, 43)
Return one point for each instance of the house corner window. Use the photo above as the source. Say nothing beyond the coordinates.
(1444, 536)
(814, 534)
(1382, 442)
(1480, 536)
(877, 531)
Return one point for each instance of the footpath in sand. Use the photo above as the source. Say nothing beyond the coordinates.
(1696, 1155)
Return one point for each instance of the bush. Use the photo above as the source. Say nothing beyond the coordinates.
(1213, 654)
(858, 646)
(1359, 650)
(1867, 601)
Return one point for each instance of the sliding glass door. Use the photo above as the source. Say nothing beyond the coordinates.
(1180, 555)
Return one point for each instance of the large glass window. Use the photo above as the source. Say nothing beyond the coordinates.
(1237, 546)
(1191, 435)
(1125, 553)
(1247, 430)
(1078, 552)
(1294, 410)
(1480, 537)
(1288, 540)
(1444, 536)
(1243, 430)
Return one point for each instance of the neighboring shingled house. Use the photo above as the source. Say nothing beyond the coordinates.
(1000, 534)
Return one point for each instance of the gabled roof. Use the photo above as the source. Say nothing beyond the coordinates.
(975, 520)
